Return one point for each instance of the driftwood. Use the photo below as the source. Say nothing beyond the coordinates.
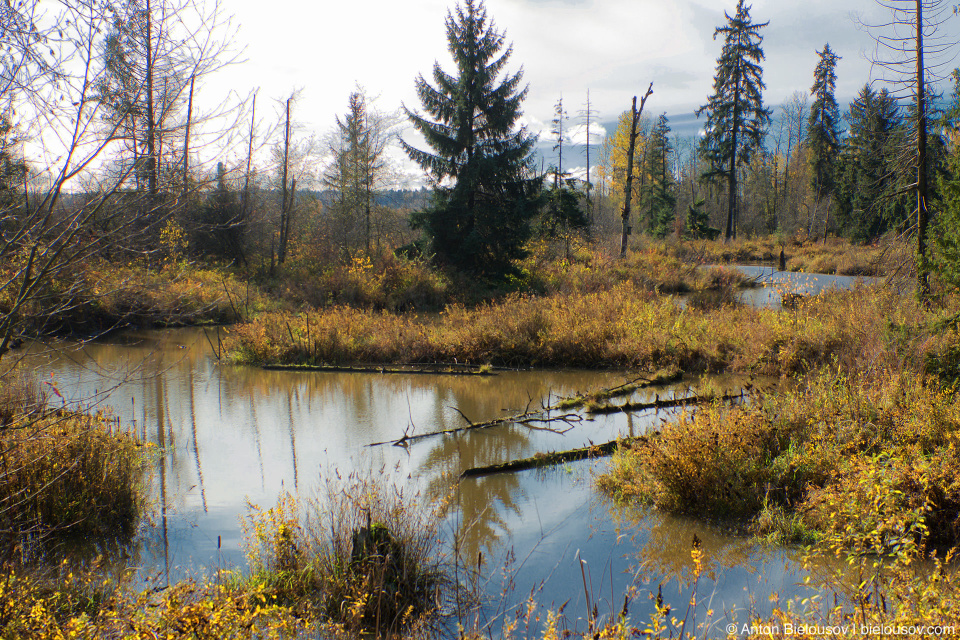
(527, 418)
(549, 459)
(661, 377)
(543, 414)
(439, 370)
(662, 403)
(598, 450)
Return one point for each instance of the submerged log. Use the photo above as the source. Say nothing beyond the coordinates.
(662, 403)
(439, 370)
(550, 459)
(547, 415)
(662, 377)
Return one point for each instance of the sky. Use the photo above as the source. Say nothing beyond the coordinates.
(613, 48)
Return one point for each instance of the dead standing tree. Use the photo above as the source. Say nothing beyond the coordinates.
(287, 195)
(628, 185)
(915, 54)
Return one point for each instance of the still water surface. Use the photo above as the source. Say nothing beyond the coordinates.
(233, 435)
(774, 283)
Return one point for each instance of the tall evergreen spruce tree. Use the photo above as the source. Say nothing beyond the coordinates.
(823, 135)
(485, 192)
(13, 171)
(946, 226)
(736, 117)
(660, 198)
(563, 213)
(870, 196)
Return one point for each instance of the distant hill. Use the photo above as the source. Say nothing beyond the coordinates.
(392, 198)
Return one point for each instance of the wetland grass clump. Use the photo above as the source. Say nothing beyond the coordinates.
(620, 327)
(834, 256)
(379, 280)
(99, 296)
(67, 475)
(867, 460)
(87, 603)
(653, 266)
(360, 557)
(862, 449)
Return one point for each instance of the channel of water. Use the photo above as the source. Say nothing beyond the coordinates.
(237, 435)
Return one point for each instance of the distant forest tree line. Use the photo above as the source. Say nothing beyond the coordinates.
(127, 106)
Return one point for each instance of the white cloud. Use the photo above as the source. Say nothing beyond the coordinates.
(614, 48)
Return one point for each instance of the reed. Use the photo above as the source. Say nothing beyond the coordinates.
(65, 475)
(622, 327)
(360, 557)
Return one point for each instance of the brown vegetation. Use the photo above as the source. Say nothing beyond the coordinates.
(100, 296)
(65, 474)
(865, 447)
(623, 327)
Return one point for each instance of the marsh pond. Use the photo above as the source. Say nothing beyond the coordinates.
(231, 436)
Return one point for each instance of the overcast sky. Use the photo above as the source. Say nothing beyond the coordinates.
(614, 48)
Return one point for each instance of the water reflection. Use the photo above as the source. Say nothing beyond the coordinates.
(775, 284)
(235, 434)
(229, 434)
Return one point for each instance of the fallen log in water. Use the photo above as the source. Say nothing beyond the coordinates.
(544, 415)
(527, 418)
(661, 403)
(439, 370)
(549, 459)
(661, 377)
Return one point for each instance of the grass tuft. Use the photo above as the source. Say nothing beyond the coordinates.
(66, 475)
(361, 557)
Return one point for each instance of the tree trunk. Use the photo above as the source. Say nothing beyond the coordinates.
(284, 205)
(186, 139)
(152, 185)
(245, 205)
(731, 231)
(923, 285)
(628, 186)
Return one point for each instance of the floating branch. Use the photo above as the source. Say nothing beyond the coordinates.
(544, 414)
(664, 376)
(526, 418)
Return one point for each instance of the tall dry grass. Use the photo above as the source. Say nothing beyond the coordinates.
(887, 257)
(96, 296)
(864, 451)
(621, 327)
(360, 557)
(64, 474)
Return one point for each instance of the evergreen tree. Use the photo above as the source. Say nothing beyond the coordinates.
(698, 222)
(559, 115)
(823, 136)
(868, 200)
(480, 222)
(660, 193)
(143, 91)
(222, 226)
(563, 212)
(13, 170)
(946, 227)
(736, 117)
